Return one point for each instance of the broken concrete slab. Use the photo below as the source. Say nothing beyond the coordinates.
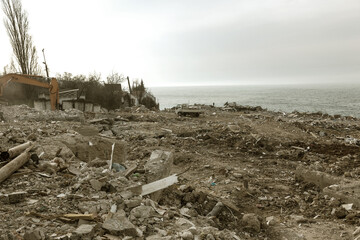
(88, 148)
(96, 184)
(346, 192)
(157, 167)
(318, 178)
(85, 231)
(142, 212)
(134, 202)
(183, 224)
(118, 224)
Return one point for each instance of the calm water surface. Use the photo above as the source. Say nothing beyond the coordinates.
(332, 99)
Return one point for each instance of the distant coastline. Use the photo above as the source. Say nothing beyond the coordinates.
(332, 98)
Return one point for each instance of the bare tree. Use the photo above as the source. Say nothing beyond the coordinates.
(17, 26)
(115, 78)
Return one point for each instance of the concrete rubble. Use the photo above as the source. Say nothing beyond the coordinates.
(232, 173)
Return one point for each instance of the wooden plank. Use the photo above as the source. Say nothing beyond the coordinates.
(159, 184)
(80, 216)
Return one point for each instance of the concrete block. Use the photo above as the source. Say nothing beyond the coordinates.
(39, 104)
(67, 105)
(47, 105)
(88, 107)
(97, 108)
(158, 167)
(79, 106)
(120, 225)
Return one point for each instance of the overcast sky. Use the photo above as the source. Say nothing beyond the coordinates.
(198, 42)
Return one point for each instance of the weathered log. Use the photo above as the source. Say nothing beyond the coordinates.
(15, 151)
(14, 165)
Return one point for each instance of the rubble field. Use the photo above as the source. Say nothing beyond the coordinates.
(140, 174)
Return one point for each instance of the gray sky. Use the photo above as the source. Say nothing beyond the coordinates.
(198, 42)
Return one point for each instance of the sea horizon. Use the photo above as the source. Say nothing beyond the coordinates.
(334, 98)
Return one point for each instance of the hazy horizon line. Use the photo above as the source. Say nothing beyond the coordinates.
(255, 84)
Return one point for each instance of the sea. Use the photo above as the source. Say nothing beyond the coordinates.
(331, 99)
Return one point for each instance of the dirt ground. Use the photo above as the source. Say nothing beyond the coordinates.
(274, 174)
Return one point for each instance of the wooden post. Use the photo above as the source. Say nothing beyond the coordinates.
(129, 84)
(14, 165)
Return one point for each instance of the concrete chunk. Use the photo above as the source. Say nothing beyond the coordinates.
(96, 184)
(320, 179)
(85, 231)
(158, 167)
(346, 192)
(34, 235)
(120, 225)
(142, 212)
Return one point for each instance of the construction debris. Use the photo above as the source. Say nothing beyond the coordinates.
(231, 173)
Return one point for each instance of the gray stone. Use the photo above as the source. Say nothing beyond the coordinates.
(85, 231)
(126, 194)
(251, 222)
(193, 230)
(96, 184)
(142, 212)
(120, 225)
(183, 224)
(34, 235)
(131, 203)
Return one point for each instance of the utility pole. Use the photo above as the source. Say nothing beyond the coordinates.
(129, 84)
(46, 67)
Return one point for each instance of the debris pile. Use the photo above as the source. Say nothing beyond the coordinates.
(248, 174)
